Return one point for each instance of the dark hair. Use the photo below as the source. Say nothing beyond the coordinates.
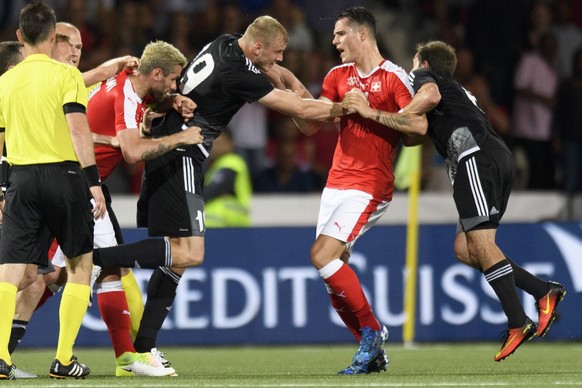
(440, 56)
(36, 21)
(361, 16)
(10, 55)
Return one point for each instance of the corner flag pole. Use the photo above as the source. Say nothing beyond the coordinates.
(413, 163)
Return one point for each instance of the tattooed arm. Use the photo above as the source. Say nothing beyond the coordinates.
(136, 148)
(410, 121)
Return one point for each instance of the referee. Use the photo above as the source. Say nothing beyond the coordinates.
(53, 175)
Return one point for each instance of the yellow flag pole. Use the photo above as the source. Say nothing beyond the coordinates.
(408, 330)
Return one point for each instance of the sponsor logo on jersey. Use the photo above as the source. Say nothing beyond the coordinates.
(353, 81)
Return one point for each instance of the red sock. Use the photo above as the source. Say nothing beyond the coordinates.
(349, 318)
(346, 286)
(45, 296)
(115, 314)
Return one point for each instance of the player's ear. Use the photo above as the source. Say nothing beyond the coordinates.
(362, 33)
(258, 48)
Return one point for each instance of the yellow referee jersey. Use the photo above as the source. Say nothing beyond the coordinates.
(32, 96)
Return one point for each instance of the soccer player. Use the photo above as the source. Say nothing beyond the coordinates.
(360, 183)
(50, 148)
(115, 110)
(228, 72)
(10, 55)
(481, 169)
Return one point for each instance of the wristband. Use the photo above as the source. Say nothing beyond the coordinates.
(4, 166)
(92, 175)
(378, 113)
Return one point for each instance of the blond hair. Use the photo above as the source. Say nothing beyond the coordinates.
(267, 30)
(160, 55)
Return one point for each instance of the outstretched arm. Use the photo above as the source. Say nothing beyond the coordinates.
(105, 140)
(109, 69)
(283, 79)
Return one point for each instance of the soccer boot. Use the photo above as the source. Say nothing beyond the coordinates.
(370, 356)
(6, 371)
(546, 307)
(72, 369)
(140, 364)
(161, 360)
(515, 337)
(21, 374)
(95, 272)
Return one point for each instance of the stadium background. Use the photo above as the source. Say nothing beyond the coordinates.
(256, 285)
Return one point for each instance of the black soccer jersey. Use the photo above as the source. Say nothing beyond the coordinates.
(219, 80)
(456, 125)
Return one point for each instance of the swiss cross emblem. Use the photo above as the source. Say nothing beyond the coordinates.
(376, 86)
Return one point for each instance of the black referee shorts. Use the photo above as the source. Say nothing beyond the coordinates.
(42, 201)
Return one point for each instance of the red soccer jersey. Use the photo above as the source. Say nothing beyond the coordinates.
(113, 107)
(365, 149)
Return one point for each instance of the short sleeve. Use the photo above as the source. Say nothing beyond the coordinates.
(420, 77)
(329, 88)
(249, 83)
(74, 89)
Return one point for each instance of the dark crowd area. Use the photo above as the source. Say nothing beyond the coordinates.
(521, 59)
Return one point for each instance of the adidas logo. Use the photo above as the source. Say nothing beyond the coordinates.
(493, 211)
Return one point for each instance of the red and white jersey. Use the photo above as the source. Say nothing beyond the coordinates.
(113, 107)
(365, 149)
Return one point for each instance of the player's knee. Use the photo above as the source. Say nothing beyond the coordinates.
(462, 255)
(462, 250)
(187, 257)
(29, 277)
(196, 259)
(318, 257)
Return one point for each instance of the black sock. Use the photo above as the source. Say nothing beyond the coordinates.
(528, 282)
(148, 253)
(160, 297)
(18, 329)
(500, 277)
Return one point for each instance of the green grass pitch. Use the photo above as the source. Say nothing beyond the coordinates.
(534, 364)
